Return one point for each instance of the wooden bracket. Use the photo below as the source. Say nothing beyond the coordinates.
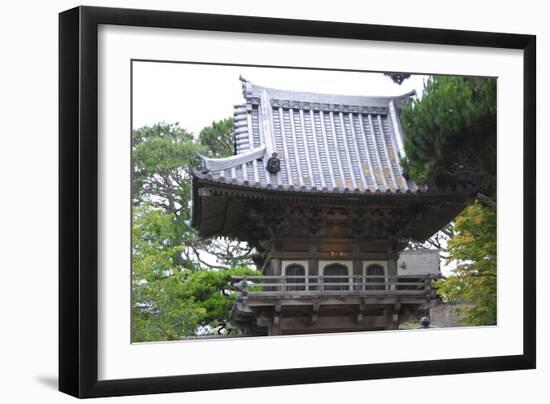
(315, 312)
(277, 314)
(360, 313)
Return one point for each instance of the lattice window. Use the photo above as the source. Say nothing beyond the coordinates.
(374, 270)
(295, 274)
(338, 274)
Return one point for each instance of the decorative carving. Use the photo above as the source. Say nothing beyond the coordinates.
(302, 220)
(201, 164)
(359, 223)
(273, 165)
(314, 218)
(398, 78)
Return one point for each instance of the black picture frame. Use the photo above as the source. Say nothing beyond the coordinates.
(78, 196)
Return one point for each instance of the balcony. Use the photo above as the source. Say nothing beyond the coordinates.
(275, 305)
(319, 286)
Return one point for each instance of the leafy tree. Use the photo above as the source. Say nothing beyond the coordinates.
(179, 282)
(159, 310)
(452, 129)
(169, 300)
(474, 251)
(161, 155)
(218, 138)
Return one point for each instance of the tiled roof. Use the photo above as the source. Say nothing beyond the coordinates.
(324, 143)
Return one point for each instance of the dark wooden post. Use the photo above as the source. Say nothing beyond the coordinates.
(313, 271)
(275, 266)
(392, 273)
(275, 270)
(357, 273)
(275, 328)
(391, 314)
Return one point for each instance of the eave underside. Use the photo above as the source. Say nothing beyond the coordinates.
(252, 216)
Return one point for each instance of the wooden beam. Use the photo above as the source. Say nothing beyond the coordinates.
(333, 323)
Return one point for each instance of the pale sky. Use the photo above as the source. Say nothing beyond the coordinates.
(195, 95)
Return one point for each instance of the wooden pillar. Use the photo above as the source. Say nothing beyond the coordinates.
(392, 272)
(391, 314)
(391, 318)
(313, 270)
(313, 264)
(392, 267)
(275, 328)
(275, 267)
(357, 272)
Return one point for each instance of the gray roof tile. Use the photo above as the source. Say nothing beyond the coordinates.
(325, 142)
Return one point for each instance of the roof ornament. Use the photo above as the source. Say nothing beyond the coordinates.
(201, 163)
(273, 165)
(246, 86)
(398, 77)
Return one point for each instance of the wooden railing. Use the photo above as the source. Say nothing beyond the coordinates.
(332, 285)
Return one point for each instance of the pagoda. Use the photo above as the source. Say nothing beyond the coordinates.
(315, 185)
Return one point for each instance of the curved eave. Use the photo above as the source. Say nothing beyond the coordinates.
(250, 189)
(221, 209)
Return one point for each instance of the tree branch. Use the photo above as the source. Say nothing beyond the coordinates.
(204, 262)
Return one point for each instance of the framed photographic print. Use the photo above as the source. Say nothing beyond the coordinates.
(251, 201)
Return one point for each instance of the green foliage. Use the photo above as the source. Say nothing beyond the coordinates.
(409, 325)
(209, 288)
(218, 138)
(452, 128)
(160, 155)
(183, 304)
(449, 130)
(474, 251)
(175, 292)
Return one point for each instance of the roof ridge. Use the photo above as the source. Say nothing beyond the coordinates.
(251, 90)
